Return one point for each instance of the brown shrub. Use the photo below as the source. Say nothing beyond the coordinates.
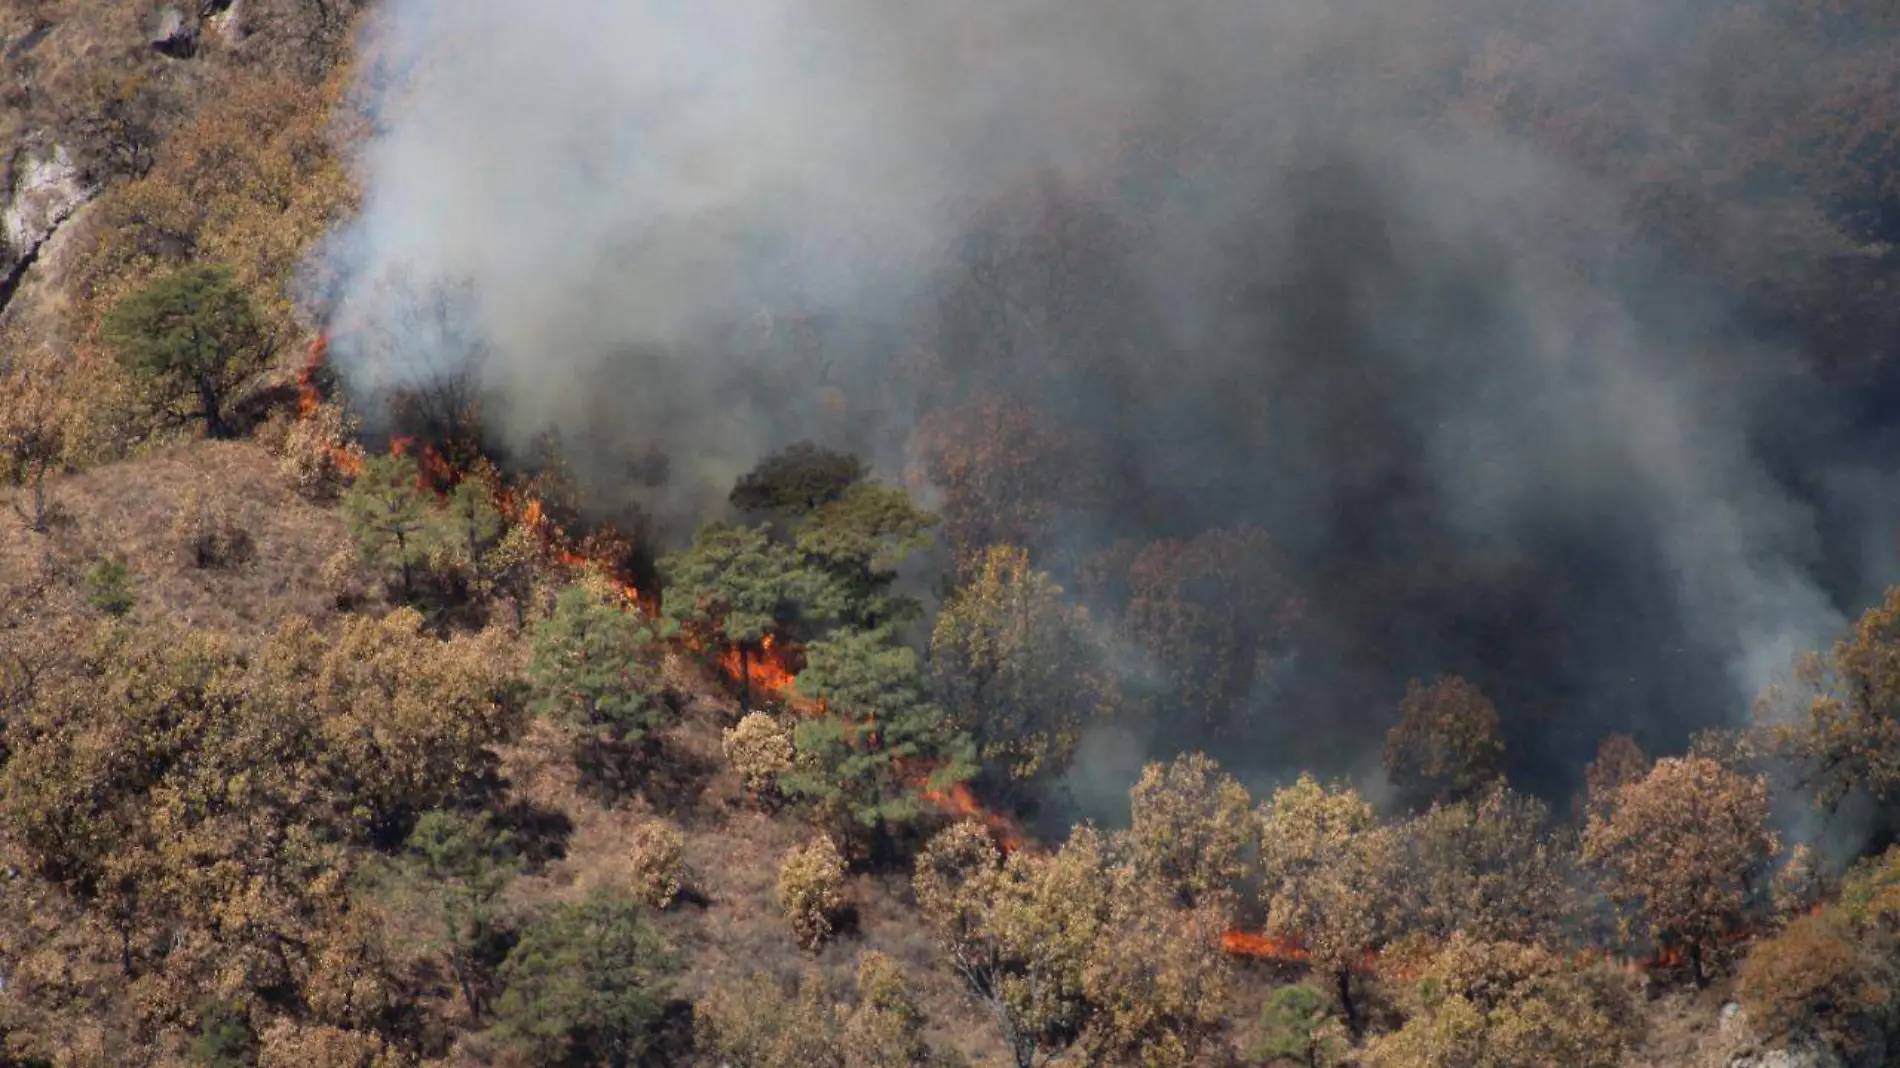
(656, 861)
(342, 578)
(211, 530)
(290, 1045)
(811, 889)
(1818, 978)
(316, 452)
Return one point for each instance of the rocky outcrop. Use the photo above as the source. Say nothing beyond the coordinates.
(173, 34)
(43, 190)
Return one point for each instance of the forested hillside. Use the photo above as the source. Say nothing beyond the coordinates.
(1226, 589)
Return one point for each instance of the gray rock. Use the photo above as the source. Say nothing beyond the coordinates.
(46, 190)
(172, 34)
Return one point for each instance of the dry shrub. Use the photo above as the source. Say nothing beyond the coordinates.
(761, 750)
(760, 1024)
(811, 889)
(342, 578)
(1819, 978)
(290, 1045)
(317, 454)
(656, 856)
(210, 530)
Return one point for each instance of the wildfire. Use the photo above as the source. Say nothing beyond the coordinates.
(960, 802)
(772, 668)
(1263, 946)
(439, 475)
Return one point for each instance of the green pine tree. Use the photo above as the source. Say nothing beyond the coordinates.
(592, 670)
(387, 516)
(586, 982)
(881, 742)
(735, 585)
(195, 340)
(467, 863)
(857, 541)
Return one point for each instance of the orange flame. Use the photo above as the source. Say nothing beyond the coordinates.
(771, 668)
(960, 802)
(309, 395)
(438, 474)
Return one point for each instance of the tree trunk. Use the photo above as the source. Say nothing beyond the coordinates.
(402, 551)
(214, 415)
(1344, 979)
(466, 981)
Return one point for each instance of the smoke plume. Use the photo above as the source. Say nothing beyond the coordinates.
(1288, 262)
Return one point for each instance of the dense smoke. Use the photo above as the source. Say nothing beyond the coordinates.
(1247, 245)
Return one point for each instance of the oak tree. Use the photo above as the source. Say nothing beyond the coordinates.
(1445, 746)
(1686, 843)
(1017, 667)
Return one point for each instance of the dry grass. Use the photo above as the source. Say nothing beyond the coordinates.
(126, 511)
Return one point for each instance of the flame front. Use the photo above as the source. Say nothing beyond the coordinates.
(1263, 946)
(960, 802)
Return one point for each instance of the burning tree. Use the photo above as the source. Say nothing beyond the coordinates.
(736, 586)
(1687, 844)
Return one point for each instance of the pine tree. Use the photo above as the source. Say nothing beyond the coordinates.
(585, 981)
(387, 516)
(469, 862)
(195, 339)
(592, 671)
(881, 741)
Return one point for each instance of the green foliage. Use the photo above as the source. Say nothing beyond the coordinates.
(796, 480)
(856, 541)
(466, 862)
(880, 734)
(593, 669)
(195, 340)
(224, 1038)
(588, 980)
(736, 585)
(387, 515)
(1297, 1026)
(109, 587)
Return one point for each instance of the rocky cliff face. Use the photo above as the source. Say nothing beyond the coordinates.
(43, 189)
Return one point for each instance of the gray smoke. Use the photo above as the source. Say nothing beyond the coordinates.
(1306, 295)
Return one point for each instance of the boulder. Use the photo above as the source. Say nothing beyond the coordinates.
(172, 34)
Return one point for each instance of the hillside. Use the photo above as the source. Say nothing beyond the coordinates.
(991, 548)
